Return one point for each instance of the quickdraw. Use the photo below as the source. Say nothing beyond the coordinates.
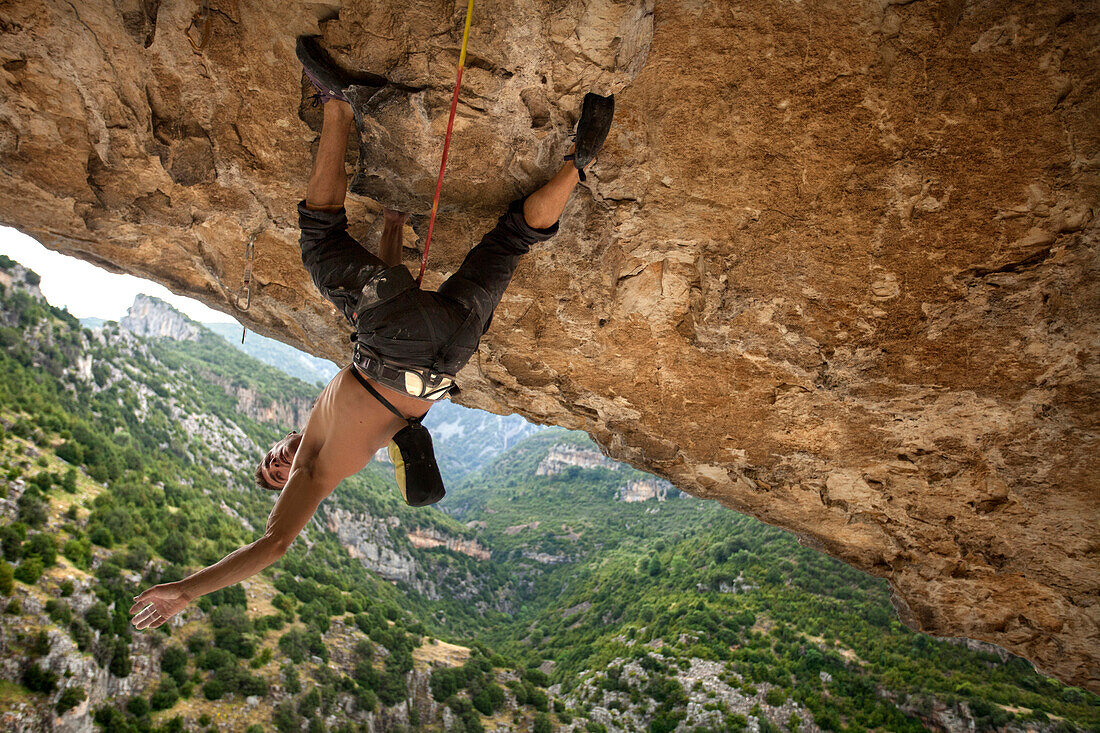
(200, 22)
(245, 292)
(446, 140)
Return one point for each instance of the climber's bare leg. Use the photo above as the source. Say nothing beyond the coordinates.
(328, 183)
(542, 208)
(389, 248)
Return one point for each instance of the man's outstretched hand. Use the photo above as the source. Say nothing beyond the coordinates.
(158, 604)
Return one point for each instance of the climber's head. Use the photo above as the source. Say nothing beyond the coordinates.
(274, 469)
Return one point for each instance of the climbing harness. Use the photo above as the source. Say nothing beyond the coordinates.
(446, 140)
(201, 24)
(411, 452)
(245, 293)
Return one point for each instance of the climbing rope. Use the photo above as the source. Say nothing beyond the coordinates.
(446, 140)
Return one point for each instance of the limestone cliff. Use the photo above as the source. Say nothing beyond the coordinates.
(836, 266)
(154, 318)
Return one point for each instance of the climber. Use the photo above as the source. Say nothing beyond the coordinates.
(409, 343)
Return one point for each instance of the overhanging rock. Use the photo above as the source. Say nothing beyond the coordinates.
(836, 267)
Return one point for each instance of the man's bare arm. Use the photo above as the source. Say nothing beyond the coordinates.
(295, 506)
(389, 248)
(297, 502)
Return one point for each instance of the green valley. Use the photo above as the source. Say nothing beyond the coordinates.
(552, 589)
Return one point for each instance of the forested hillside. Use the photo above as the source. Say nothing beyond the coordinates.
(127, 462)
(552, 590)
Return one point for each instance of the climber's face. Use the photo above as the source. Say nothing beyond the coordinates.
(275, 467)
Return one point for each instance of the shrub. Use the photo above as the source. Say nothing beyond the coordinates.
(42, 546)
(366, 700)
(290, 679)
(32, 511)
(11, 540)
(81, 634)
(7, 579)
(252, 685)
(100, 535)
(213, 689)
(293, 644)
(537, 677)
(391, 687)
(775, 696)
(70, 698)
(30, 570)
(59, 612)
(79, 552)
(37, 679)
(542, 724)
(98, 617)
(137, 706)
(166, 694)
(231, 631)
(217, 659)
(174, 664)
(120, 658)
(40, 644)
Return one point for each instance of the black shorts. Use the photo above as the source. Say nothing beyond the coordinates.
(394, 318)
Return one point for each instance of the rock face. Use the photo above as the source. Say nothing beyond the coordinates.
(561, 457)
(154, 318)
(836, 266)
(644, 490)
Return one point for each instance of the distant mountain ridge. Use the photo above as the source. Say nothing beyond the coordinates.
(464, 439)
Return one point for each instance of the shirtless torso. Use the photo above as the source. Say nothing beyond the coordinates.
(345, 429)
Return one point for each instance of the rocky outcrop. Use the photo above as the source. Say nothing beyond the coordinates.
(644, 490)
(288, 412)
(17, 276)
(560, 457)
(367, 538)
(835, 267)
(152, 317)
(427, 538)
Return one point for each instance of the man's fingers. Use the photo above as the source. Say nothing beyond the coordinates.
(145, 615)
(140, 598)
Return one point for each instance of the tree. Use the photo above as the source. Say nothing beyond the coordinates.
(42, 546)
(70, 698)
(98, 617)
(166, 694)
(7, 584)
(30, 570)
(542, 724)
(174, 663)
(37, 679)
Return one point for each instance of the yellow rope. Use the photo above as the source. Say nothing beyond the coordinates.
(466, 34)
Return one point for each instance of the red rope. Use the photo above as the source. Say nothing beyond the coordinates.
(439, 182)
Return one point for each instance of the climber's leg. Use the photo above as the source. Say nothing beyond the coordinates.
(488, 268)
(338, 264)
(543, 208)
(328, 183)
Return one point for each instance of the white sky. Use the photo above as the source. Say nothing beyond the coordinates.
(88, 291)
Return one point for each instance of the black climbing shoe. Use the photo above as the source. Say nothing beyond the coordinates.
(595, 122)
(325, 76)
